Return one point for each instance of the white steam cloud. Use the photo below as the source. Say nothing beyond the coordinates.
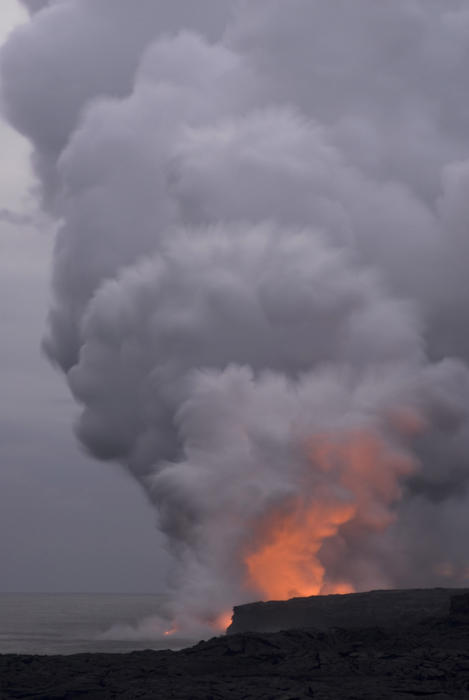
(260, 283)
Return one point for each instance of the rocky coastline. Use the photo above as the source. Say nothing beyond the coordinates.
(381, 608)
(417, 656)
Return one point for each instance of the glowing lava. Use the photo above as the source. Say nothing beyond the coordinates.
(353, 481)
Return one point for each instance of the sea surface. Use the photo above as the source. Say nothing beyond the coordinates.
(76, 623)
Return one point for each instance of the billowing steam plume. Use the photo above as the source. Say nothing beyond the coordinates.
(260, 284)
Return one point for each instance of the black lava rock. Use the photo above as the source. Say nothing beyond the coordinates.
(427, 658)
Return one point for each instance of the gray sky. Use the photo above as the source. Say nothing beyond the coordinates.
(66, 523)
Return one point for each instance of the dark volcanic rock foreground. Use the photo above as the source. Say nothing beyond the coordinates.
(374, 608)
(425, 659)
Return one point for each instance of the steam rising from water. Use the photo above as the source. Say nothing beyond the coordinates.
(260, 277)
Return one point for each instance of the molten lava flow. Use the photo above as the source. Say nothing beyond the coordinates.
(354, 481)
(172, 630)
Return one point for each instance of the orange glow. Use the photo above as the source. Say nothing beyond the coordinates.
(352, 481)
(408, 422)
(337, 589)
(171, 631)
(223, 621)
(286, 565)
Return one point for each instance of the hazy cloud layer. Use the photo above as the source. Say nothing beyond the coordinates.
(261, 260)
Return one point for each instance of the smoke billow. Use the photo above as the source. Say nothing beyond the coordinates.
(260, 277)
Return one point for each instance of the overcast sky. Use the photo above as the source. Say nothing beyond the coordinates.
(66, 523)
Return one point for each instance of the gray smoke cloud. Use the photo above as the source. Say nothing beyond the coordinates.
(14, 218)
(34, 5)
(260, 281)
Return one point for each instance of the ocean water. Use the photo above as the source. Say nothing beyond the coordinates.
(75, 623)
